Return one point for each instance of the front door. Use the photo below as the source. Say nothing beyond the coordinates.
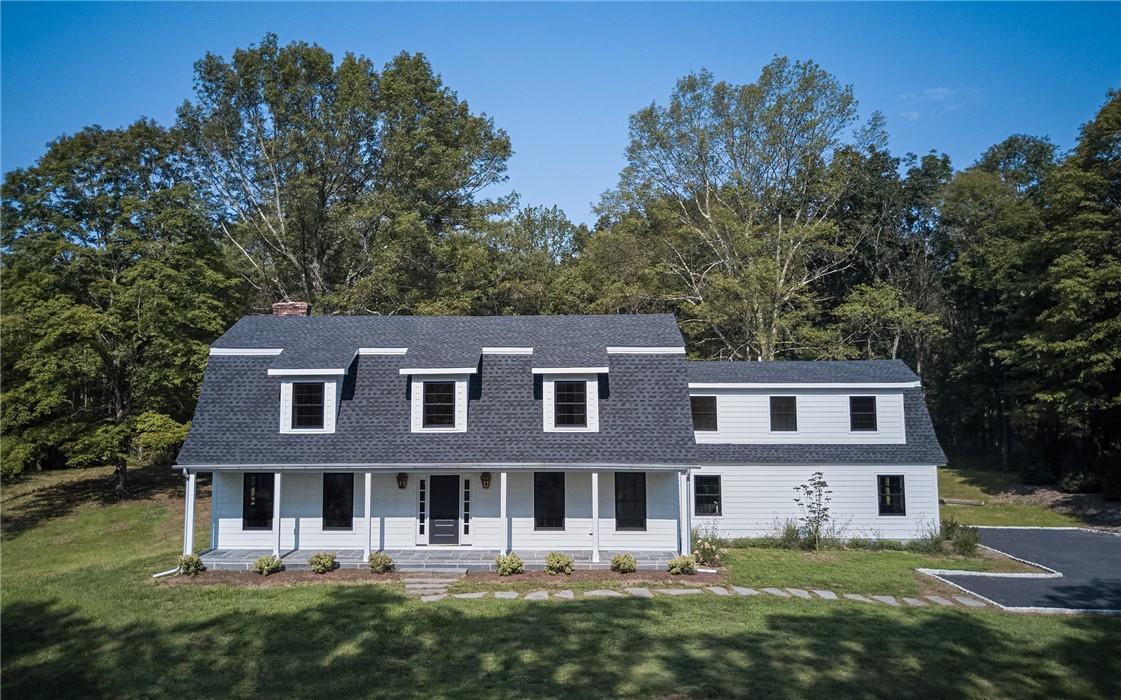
(444, 511)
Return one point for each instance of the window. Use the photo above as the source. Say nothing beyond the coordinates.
(706, 495)
(548, 501)
(891, 495)
(570, 404)
(307, 405)
(420, 507)
(784, 413)
(704, 412)
(256, 502)
(338, 501)
(467, 506)
(630, 500)
(862, 413)
(439, 405)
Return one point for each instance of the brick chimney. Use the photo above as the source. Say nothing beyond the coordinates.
(291, 308)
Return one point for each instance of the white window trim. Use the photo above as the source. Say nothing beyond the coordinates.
(548, 396)
(650, 350)
(332, 390)
(794, 386)
(416, 389)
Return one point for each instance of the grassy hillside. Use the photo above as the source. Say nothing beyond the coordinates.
(1002, 507)
(82, 617)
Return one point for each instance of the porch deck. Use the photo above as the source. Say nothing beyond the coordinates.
(431, 559)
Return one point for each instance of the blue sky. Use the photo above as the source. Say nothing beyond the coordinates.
(562, 79)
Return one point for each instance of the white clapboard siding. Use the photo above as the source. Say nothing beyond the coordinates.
(743, 416)
(757, 500)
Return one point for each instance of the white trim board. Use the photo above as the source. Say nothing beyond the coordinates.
(502, 350)
(249, 352)
(335, 372)
(382, 351)
(439, 370)
(639, 350)
(803, 385)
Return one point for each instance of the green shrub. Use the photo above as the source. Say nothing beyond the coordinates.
(191, 565)
(709, 552)
(790, 537)
(965, 541)
(557, 563)
(381, 563)
(624, 564)
(950, 528)
(268, 565)
(1080, 482)
(685, 564)
(509, 564)
(321, 562)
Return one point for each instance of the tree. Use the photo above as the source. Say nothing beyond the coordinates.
(876, 319)
(114, 286)
(742, 172)
(334, 182)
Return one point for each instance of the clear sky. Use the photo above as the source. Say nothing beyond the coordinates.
(562, 79)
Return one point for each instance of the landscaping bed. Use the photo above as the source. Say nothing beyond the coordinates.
(252, 579)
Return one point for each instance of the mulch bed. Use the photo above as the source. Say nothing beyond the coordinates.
(251, 579)
(596, 576)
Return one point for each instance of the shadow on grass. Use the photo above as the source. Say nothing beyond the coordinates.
(363, 641)
(58, 500)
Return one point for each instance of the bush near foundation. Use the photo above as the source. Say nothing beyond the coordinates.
(381, 563)
(557, 563)
(624, 564)
(321, 562)
(268, 565)
(191, 565)
(509, 564)
(686, 565)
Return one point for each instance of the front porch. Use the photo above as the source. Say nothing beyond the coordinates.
(430, 559)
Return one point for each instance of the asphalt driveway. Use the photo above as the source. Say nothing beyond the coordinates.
(1090, 563)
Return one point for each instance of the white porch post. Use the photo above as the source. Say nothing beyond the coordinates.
(502, 512)
(595, 516)
(276, 514)
(369, 522)
(683, 511)
(189, 516)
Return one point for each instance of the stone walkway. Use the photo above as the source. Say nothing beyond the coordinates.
(431, 587)
(430, 595)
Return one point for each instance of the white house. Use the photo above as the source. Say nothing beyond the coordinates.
(446, 440)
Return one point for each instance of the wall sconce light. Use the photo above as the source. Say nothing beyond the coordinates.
(402, 480)
(484, 479)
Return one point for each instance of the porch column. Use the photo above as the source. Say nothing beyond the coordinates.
(189, 515)
(276, 514)
(595, 516)
(683, 512)
(502, 512)
(369, 522)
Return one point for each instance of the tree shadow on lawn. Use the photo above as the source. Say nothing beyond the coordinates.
(363, 641)
(58, 500)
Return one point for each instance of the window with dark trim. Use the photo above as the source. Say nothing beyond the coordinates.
(307, 405)
(630, 500)
(256, 502)
(704, 412)
(439, 404)
(570, 404)
(784, 413)
(892, 500)
(338, 501)
(706, 494)
(548, 500)
(862, 413)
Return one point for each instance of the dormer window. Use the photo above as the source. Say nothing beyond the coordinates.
(307, 405)
(439, 404)
(571, 404)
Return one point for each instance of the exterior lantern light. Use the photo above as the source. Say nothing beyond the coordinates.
(484, 479)
(402, 480)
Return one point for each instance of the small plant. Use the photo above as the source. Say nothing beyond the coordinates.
(685, 564)
(381, 563)
(813, 498)
(790, 537)
(709, 552)
(624, 564)
(268, 565)
(509, 564)
(321, 562)
(557, 563)
(191, 565)
(965, 541)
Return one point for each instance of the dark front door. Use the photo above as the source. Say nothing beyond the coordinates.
(445, 510)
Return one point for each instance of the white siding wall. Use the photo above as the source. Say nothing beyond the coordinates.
(758, 499)
(744, 416)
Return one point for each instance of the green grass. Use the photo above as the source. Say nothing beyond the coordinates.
(81, 616)
(981, 484)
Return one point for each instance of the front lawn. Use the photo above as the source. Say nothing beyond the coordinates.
(81, 616)
(1001, 507)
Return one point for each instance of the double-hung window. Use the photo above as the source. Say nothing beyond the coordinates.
(439, 405)
(307, 405)
(630, 500)
(548, 500)
(338, 501)
(256, 501)
(570, 404)
(706, 494)
(892, 499)
(704, 413)
(784, 413)
(862, 413)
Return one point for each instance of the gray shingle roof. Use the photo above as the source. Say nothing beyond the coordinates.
(803, 371)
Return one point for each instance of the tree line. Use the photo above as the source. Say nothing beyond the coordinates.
(766, 216)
